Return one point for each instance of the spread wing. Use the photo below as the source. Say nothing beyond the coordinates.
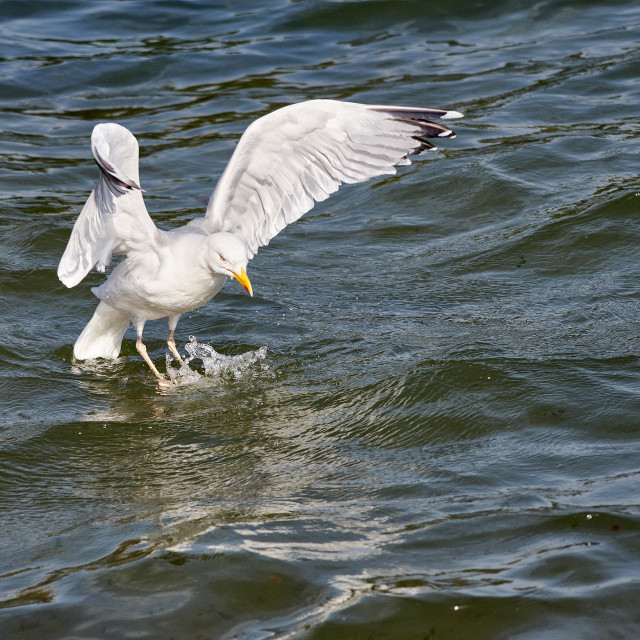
(300, 154)
(114, 219)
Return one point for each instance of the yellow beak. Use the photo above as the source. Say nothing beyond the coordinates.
(243, 279)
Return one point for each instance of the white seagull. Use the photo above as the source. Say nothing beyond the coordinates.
(284, 163)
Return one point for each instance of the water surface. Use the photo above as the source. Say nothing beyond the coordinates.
(441, 440)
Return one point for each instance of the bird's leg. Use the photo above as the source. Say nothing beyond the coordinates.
(142, 350)
(171, 343)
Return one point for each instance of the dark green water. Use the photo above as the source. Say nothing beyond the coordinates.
(442, 441)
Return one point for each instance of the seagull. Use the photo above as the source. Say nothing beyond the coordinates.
(284, 163)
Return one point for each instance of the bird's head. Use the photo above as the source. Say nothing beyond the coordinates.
(228, 257)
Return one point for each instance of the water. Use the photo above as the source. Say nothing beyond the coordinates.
(215, 365)
(432, 427)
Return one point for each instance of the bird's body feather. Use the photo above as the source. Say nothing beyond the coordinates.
(169, 278)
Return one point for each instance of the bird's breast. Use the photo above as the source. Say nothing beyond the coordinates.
(159, 285)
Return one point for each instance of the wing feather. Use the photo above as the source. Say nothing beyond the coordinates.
(114, 219)
(300, 154)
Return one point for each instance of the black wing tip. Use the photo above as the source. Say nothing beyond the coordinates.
(427, 129)
(420, 118)
(118, 180)
(423, 145)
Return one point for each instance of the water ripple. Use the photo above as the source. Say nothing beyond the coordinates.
(424, 421)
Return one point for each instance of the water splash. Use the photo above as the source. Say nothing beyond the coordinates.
(216, 365)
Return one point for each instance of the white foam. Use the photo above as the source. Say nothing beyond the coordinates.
(216, 365)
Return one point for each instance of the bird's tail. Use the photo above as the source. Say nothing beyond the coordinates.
(102, 337)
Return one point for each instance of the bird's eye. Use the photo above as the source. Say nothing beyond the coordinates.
(221, 258)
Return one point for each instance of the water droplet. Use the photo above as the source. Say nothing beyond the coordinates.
(215, 364)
